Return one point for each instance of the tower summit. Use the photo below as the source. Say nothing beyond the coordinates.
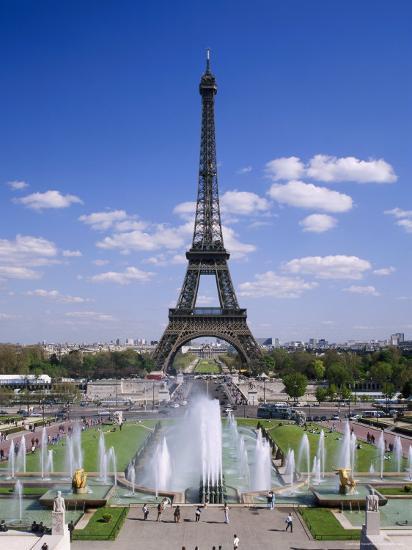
(207, 257)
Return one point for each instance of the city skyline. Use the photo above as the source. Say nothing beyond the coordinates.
(98, 172)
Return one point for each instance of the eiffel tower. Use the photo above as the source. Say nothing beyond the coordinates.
(207, 256)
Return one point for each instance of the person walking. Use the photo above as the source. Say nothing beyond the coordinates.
(226, 512)
(289, 522)
(145, 510)
(269, 499)
(176, 514)
(159, 511)
(236, 542)
(70, 527)
(197, 514)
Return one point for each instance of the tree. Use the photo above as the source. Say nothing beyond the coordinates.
(332, 391)
(318, 369)
(407, 389)
(269, 363)
(295, 384)
(337, 374)
(381, 372)
(345, 393)
(321, 394)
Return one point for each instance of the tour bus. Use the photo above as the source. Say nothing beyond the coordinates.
(372, 414)
(274, 411)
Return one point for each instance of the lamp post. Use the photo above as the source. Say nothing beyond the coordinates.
(264, 390)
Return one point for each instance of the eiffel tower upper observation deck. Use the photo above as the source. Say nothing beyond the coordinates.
(207, 256)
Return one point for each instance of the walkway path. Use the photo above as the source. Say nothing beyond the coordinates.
(257, 529)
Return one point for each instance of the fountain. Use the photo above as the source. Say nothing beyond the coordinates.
(21, 456)
(43, 452)
(316, 470)
(371, 469)
(397, 452)
(74, 453)
(410, 462)
(162, 466)
(111, 459)
(263, 464)
(321, 453)
(11, 469)
(50, 462)
(304, 456)
(381, 449)
(102, 458)
(243, 460)
(131, 475)
(291, 469)
(17, 498)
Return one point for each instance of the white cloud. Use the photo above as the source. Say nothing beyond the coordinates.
(57, 296)
(179, 259)
(318, 223)
(103, 220)
(19, 255)
(399, 213)
(403, 218)
(17, 185)
(245, 170)
(275, 286)
(100, 262)
(89, 316)
(203, 300)
(406, 225)
(236, 248)
(72, 253)
(330, 169)
(130, 275)
(384, 271)
(307, 195)
(48, 199)
(17, 272)
(185, 210)
(329, 267)
(7, 317)
(285, 168)
(243, 203)
(366, 290)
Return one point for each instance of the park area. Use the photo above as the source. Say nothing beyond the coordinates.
(207, 366)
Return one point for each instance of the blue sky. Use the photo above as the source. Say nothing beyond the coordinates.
(99, 152)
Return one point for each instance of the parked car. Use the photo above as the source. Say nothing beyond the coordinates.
(323, 418)
(335, 417)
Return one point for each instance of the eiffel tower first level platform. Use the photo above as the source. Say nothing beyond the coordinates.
(208, 257)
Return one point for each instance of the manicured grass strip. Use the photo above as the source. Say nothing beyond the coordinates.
(98, 529)
(395, 491)
(207, 367)
(125, 442)
(27, 491)
(324, 526)
(290, 436)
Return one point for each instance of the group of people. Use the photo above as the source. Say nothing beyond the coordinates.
(236, 542)
(177, 514)
(40, 529)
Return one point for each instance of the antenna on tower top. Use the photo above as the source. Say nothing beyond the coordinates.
(208, 60)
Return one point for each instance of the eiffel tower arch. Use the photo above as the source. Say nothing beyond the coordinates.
(208, 257)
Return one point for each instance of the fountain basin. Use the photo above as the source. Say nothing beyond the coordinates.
(93, 498)
(329, 497)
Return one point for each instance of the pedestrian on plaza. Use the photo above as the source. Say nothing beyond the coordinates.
(269, 499)
(145, 511)
(289, 522)
(235, 542)
(197, 514)
(70, 527)
(177, 514)
(226, 512)
(159, 511)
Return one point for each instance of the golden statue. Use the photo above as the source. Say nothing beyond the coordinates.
(347, 484)
(79, 481)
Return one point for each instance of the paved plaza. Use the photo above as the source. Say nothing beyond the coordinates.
(257, 529)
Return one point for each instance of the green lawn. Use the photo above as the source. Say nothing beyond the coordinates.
(97, 529)
(324, 526)
(207, 366)
(395, 491)
(125, 442)
(289, 436)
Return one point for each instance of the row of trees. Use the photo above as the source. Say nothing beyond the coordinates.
(32, 360)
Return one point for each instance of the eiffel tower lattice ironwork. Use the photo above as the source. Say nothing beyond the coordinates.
(207, 256)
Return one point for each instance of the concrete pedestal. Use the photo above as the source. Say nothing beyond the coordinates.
(372, 523)
(58, 523)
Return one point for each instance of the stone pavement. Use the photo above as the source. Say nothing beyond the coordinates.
(257, 529)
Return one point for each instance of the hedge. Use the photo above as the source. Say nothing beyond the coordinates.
(97, 529)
